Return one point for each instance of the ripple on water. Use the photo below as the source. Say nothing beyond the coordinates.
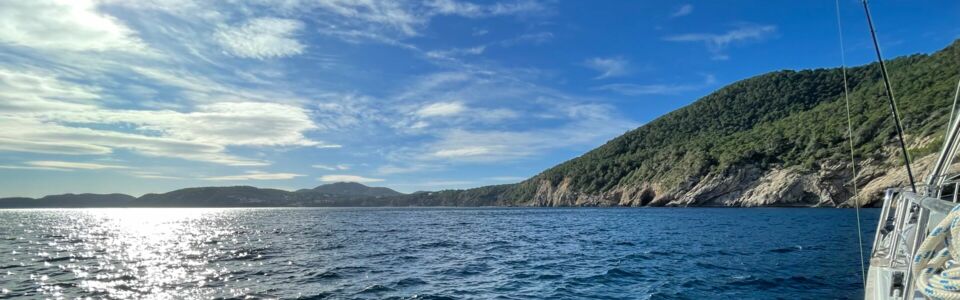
(428, 253)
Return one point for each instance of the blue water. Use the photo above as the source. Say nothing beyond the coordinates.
(423, 253)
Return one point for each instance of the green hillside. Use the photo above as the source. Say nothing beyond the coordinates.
(784, 118)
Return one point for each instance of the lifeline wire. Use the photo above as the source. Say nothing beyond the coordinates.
(853, 160)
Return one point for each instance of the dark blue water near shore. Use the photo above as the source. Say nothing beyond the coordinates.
(417, 253)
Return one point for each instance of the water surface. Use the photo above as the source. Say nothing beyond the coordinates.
(431, 253)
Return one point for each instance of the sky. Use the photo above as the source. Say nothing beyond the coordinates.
(154, 95)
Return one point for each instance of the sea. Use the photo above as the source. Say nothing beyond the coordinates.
(433, 253)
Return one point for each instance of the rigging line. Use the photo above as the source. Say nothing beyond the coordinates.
(853, 159)
(893, 102)
(953, 109)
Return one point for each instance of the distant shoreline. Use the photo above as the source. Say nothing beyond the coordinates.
(334, 195)
(434, 207)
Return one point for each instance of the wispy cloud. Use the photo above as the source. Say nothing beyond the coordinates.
(388, 21)
(339, 167)
(608, 67)
(26, 91)
(254, 175)
(718, 43)
(348, 178)
(683, 10)
(631, 89)
(72, 165)
(202, 135)
(65, 26)
(262, 38)
(456, 52)
(441, 109)
(467, 9)
(154, 175)
(405, 168)
(592, 124)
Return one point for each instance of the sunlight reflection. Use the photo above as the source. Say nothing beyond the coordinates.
(148, 251)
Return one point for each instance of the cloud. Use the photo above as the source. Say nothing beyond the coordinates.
(71, 165)
(74, 25)
(153, 175)
(225, 123)
(374, 15)
(717, 43)
(631, 89)
(199, 88)
(331, 167)
(387, 21)
(684, 10)
(466, 9)
(456, 52)
(27, 91)
(17, 167)
(441, 109)
(201, 135)
(32, 135)
(348, 178)
(262, 38)
(336, 112)
(405, 168)
(49, 165)
(608, 66)
(465, 151)
(591, 124)
(255, 175)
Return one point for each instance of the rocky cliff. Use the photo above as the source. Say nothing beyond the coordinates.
(748, 186)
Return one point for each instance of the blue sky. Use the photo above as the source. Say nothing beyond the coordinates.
(154, 95)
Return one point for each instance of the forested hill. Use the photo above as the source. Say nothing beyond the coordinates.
(774, 139)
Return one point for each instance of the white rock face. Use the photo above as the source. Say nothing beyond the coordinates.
(750, 186)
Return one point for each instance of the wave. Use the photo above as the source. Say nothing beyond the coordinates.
(407, 282)
(376, 288)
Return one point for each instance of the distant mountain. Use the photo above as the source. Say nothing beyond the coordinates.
(71, 201)
(219, 197)
(351, 189)
(334, 194)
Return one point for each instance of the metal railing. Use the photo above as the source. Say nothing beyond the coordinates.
(907, 215)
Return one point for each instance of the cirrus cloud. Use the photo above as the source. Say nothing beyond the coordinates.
(717, 43)
(262, 38)
(255, 175)
(348, 178)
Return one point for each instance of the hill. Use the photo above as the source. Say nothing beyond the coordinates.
(777, 139)
(351, 189)
(334, 194)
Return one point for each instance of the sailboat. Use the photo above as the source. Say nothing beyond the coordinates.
(916, 246)
(912, 256)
